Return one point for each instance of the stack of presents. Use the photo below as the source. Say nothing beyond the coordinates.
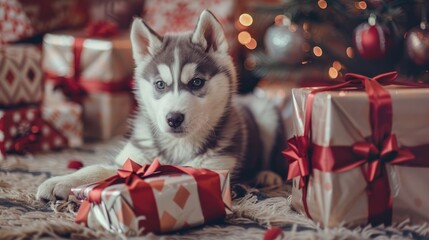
(358, 150)
(66, 76)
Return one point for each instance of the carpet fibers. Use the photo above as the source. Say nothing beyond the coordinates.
(254, 210)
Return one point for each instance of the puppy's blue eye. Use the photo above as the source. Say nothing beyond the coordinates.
(160, 85)
(196, 83)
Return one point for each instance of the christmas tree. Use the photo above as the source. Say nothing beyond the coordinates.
(321, 40)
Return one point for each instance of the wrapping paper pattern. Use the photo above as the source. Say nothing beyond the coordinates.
(182, 15)
(178, 204)
(105, 66)
(67, 118)
(21, 76)
(21, 19)
(16, 126)
(340, 118)
(14, 24)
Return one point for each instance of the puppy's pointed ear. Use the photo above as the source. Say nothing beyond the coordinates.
(209, 33)
(144, 40)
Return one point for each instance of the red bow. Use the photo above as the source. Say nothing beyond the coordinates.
(296, 154)
(377, 157)
(126, 174)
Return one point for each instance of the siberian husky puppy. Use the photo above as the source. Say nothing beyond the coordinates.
(189, 113)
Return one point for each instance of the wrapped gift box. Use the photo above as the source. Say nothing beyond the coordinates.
(154, 198)
(35, 129)
(21, 76)
(21, 19)
(348, 175)
(95, 72)
(180, 16)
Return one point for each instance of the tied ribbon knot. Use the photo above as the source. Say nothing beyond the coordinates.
(126, 174)
(377, 157)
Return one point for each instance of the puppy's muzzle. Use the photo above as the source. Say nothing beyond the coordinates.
(175, 119)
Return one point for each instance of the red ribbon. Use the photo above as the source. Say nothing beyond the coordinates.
(132, 174)
(76, 87)
(380, 149)
(102, 29)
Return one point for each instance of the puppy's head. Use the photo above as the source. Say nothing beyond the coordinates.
(184, 82)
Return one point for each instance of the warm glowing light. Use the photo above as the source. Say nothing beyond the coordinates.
(282, 20)
(349, 52)
(333, 73)
(362, 5)
(304, 62)
(293, 28)
(245, 19)
(305, 26)
(317, 51)
(336, 65)
(322, 4)
(244, 37)
(252, 44)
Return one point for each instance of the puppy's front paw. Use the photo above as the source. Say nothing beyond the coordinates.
(268, 179)
(56, 188)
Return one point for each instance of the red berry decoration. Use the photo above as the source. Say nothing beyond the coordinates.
(75, 164)
(273, 233)
(373, 41)
(417, 44)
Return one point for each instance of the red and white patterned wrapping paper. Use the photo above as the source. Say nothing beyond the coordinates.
(21, 76)
(67, 118)
(177, 200)
(14, 23)
(105, 72)
(57, 127)
(340, 118)
(21, 19)
(181, 15)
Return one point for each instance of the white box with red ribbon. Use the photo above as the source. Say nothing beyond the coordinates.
(359, 152)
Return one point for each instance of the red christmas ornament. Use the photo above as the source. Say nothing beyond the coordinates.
(373, 41)
(417, 44)
(75, 164)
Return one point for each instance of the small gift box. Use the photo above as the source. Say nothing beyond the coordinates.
(20, 19)
(95, 72)
(21, 76)
(35, 129)
(359, 154)
(154, 198)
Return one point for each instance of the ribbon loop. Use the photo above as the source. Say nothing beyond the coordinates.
(297, 156)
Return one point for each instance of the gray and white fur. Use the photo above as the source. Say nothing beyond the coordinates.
(189, 113)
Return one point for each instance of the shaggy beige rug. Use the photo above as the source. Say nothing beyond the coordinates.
(22, 217)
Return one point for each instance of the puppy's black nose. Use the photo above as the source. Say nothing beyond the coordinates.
(175, 119)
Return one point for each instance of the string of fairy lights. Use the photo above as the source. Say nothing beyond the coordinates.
(311, 46)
